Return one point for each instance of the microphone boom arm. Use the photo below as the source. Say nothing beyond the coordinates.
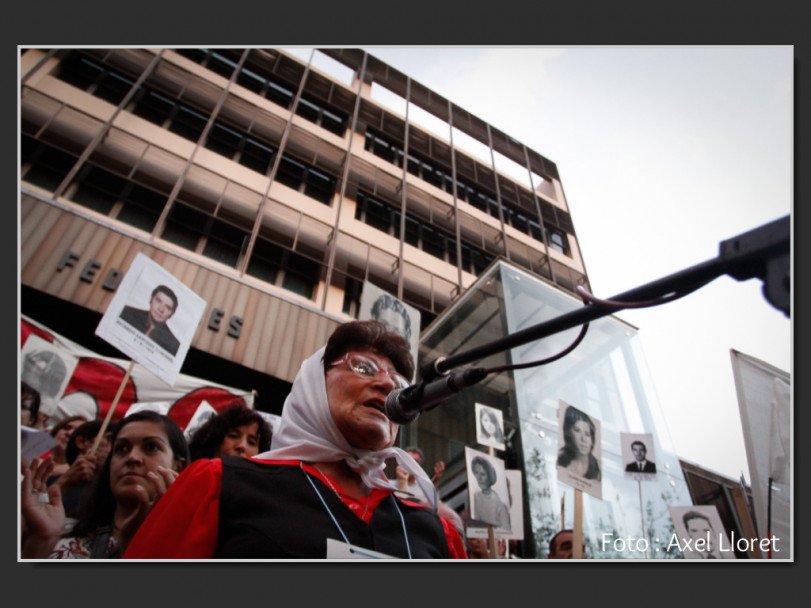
(763, 252)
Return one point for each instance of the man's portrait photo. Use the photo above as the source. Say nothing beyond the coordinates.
(638, 455)
(701, 532)
(152, 318)
(152, 322)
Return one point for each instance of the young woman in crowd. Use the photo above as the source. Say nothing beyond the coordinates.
(236, 430)
(147, 454)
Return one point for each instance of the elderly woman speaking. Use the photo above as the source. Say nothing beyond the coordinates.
(320, 491)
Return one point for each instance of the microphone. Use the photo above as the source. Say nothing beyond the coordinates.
(403, 405)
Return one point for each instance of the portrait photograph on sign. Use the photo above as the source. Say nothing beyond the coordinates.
(490, 426)
(377, 304)
(152, 318)
(487, 489)
(47, 369)
(638, 457)
(700, 533)
(476, 529)
(579, 454)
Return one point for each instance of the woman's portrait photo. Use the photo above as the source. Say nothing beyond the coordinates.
(487, 488)
(489, 426)
(579, 454)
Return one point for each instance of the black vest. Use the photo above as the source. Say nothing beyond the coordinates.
(272, 512)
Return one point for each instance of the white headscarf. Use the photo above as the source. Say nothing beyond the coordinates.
(308, 432)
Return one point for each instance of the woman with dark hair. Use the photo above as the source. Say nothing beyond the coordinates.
(61, 433)
(487, 506)
(236, 430)
(320, 491)
(148, 452)
(490, 427)
(579, 436)
(29, 406)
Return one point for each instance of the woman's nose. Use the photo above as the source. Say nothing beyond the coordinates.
(385, 382)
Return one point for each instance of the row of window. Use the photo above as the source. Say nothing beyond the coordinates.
(225, 240)
(474, 195)
(431, 239)
(186, 226)
(225, 61)
(257, 155)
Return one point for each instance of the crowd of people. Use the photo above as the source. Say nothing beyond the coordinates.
(314, 487)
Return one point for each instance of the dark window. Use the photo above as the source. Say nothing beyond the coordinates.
(188, 123)
(185, 226)
(279, 95)
(377, 214)
(153, 106)
(257, 156)
(225, 243)
(308, 180)
(558, 240)
(49, 166)
(142, 208)
(223, 140)
(94, 78)
(98, 189)
(275, 264)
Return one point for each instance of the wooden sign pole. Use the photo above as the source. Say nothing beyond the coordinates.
(577, 550)
(642, 516)
(491, 535)
(109, 415)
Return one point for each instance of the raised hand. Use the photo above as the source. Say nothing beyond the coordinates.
(42, 511)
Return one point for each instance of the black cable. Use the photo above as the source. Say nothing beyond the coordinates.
(619, 305)
(563, 353)
(591, 300)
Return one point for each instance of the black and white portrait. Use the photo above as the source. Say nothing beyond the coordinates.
(579, 452)
(476, 529)
(395, 314)
(47, 369)
(490, 426)
(487, 489)
(638, 456)
(153, 321)
(700, 533)
(152, 318)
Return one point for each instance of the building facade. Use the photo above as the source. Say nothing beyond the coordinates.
(271, 187)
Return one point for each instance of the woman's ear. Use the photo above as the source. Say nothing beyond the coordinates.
(180, 464)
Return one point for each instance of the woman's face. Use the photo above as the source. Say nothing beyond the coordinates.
(581, 434)
(357, 404)
(140, 448)
(480, 474)
(63, 435)
(488, 425)
(240, 441)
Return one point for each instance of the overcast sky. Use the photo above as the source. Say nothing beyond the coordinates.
(663, 152)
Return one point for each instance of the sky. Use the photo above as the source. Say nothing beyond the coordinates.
(663, 153)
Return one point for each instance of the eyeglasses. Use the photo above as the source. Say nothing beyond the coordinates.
(367, 369)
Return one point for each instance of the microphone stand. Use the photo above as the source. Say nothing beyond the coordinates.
(763, 252)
